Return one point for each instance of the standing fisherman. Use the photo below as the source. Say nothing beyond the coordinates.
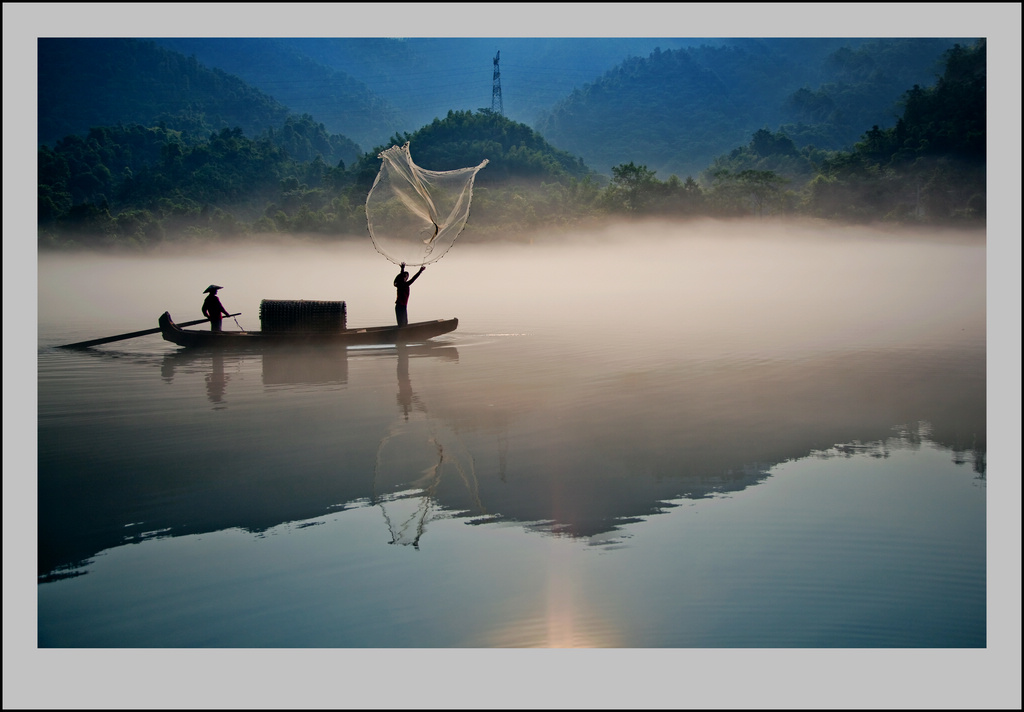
(402, 282)
(213, 309)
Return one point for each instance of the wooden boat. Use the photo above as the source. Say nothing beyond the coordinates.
(370, 336)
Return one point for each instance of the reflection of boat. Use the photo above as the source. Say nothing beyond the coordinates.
(327, 365)
(411, 333)
(300, 365)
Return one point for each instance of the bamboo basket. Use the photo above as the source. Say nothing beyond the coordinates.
(302, 316)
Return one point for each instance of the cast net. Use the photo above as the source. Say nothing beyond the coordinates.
(414, 215)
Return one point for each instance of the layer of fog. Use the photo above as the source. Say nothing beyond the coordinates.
(750, 287)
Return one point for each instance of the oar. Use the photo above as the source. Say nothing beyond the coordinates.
(121, 337)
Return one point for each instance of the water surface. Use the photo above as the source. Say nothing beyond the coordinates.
(686, 437)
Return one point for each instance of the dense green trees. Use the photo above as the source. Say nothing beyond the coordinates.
(114, 81)
(139, 184)
(465, 138)
(306, 140)
(136, 185)
(676, 110)
(306, 86)
(930, 165)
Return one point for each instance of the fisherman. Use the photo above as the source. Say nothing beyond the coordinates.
(213, 309)
(402, 282)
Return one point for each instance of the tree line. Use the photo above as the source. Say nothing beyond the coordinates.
(133, 185)
(677, 110)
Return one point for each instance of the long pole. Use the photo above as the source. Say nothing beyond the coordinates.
(132, 335)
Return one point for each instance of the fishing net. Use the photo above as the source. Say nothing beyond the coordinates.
(414, 215)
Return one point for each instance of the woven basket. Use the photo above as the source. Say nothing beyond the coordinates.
(304, 316)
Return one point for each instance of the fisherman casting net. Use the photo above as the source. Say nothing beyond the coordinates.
(414, 215)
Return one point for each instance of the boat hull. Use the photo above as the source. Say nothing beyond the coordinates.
(370, 336)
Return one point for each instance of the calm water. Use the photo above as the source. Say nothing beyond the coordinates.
(688, 437)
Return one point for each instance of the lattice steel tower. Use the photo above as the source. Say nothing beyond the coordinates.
(496, 104)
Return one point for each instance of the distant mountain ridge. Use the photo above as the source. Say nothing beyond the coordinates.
(426, 77)
(175, 176)
(342, 103)
(85, 83)
(676, 110)
(370, 88)
(671, 104)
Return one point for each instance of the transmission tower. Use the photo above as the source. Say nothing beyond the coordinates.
(496, 104)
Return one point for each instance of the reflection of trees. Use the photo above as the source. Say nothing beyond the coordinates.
(910, 437)
(567, 449)
(288, 462)
(592, 451)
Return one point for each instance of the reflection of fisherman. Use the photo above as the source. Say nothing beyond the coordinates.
(217, 381)
(405, 394)
(213, 309)
(402, 282)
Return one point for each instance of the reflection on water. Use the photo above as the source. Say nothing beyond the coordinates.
(667, 448)
(421, 447)
(292, 367)
(216, 381)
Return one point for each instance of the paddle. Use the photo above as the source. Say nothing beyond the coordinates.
(132, 335)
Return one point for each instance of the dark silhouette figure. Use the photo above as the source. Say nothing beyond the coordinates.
(402, 282)
(213, 309)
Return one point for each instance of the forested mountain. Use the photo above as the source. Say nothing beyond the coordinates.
(464, 138)
(136, 186)
(89, 82)
(369, 88)
(426, 77)
(343, 104)
(676, 110)
(672, 104)
(170, 175)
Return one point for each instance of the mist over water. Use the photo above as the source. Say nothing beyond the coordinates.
(776, 433)
(704, 288)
